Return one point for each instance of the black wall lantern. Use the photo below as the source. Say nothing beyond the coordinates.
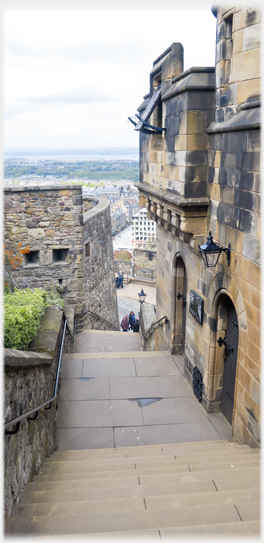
(210, 252)
(141, 296)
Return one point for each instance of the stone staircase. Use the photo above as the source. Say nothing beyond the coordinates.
(209, 488)
(137, 454)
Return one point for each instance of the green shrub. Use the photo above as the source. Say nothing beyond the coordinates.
(53, 298)
(23, 310)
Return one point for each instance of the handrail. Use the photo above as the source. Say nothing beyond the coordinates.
(95, 315)
(149, 330)
(17, 420)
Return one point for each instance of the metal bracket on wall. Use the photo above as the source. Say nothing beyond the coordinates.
(222, 341)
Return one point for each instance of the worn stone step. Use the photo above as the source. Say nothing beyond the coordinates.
(119, 354)
(112, 522)
(185, 477)
(79, 493)
(78, 507)
(70, 466)
(135, 503)
(245, 529)
(68, 474)
(152, 450)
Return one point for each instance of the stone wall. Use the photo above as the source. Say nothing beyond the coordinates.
(143, 264)
(29, 381)
(70, 251)
(99, 288)
(48, 220)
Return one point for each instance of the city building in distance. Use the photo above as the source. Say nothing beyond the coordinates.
(143, 230)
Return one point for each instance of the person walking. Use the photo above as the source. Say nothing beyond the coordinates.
(125, 324)
(131, 320)
(120, 276)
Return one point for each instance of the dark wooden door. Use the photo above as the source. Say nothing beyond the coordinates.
(230, 362)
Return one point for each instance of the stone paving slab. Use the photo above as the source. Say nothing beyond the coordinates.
(109, 368)
(75, 439)
(159, 366)
(71, 368)
(78, 389)
(164, 433)
(174, 410)
(132, 289)
(149, 387)
(89, 342)
(100, 413)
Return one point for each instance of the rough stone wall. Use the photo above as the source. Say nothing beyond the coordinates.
(221, 193)
(29, 381)
(71, 251)
(99, 290)
(47, 220)
(143, 262)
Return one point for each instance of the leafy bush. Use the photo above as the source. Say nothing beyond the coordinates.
(53, 298)
(23, 310)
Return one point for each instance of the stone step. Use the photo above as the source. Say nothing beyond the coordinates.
(119, 354)
(185, 477)
(246, 528)
(124, 521)
(83, 494)
(114, 474)
(70, 466)
(135, 503)
(76, 456)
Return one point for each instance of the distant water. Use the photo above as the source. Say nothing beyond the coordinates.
(72, 156)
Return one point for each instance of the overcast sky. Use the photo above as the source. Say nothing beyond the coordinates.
(73, 75)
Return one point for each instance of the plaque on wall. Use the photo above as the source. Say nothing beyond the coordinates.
(196, 306)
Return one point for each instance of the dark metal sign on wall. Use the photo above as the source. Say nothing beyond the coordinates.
(196, 306)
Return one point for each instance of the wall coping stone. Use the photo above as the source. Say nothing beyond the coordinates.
(16, 358)
(102, 206)
(42, 188)
(46, 338)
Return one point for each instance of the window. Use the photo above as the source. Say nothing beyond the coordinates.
(60, 255)
(87, 249)
(32, 257)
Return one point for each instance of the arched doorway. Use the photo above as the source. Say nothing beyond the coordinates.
(228, 335)
(180, 305)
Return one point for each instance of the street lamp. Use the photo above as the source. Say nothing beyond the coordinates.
(141, 296)
(210, 252)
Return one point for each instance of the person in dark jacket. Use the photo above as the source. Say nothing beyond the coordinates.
(125, 324)
(136, 325)
(131, 320)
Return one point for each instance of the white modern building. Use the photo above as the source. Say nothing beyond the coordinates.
(143, 229)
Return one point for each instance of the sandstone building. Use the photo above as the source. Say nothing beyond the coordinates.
(200, 173)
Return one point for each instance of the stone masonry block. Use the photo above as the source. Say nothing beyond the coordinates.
(247, 89)
(246, 17)
(252, 37)
(245, 66)
(238, 42)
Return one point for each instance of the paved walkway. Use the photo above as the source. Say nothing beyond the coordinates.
(132, 289)
(114, 395)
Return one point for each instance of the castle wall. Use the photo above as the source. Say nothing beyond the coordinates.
(47, 220)
(70, 251)
(99, 288)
